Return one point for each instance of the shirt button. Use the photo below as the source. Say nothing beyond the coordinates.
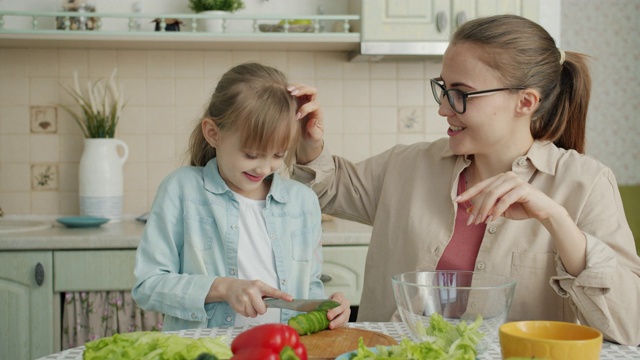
(480, 266)
(474, 306)
(194, 316)
(234, 227)
(562, 292)
(228, 318)
(492, 230)
(522, 161)
(272, 236)
(232, 272)
(283, 282)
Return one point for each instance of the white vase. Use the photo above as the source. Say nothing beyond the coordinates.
(101, 178)
(213, 25)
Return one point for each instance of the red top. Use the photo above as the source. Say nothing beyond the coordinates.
(463, 248)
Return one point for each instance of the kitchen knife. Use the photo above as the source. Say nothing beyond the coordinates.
(301, 305)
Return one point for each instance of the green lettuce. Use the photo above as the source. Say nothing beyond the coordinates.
(447, 342)
(153, 345)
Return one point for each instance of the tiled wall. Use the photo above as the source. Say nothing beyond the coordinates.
(368, 107)
(612, 40)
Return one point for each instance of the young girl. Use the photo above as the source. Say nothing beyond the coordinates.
(509, 192)
(227, 231)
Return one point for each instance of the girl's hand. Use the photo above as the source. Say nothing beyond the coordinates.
(310, 116)
(339, 316)
(509, 196)
(244, 296)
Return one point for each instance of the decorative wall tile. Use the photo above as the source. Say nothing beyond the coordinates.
(44, 177)
(411, 120)
(44, 119)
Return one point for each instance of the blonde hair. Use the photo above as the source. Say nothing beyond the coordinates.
(524, 54)
(252, 99)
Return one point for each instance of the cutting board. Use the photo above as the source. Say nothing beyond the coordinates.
(328, 344)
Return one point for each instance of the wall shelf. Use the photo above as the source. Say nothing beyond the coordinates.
(123, 31)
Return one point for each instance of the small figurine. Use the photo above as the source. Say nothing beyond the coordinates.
(170, 24)
(80, 22)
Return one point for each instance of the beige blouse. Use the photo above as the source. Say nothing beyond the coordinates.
(407, 192)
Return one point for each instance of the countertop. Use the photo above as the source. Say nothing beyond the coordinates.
(126, 234)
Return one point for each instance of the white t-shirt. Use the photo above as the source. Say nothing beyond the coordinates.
(255, 255)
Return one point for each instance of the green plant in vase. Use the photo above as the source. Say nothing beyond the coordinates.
(100, 107)
(215, 5)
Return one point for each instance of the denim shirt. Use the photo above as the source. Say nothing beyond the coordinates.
(191, 238)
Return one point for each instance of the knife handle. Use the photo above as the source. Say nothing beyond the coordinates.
(325, 278)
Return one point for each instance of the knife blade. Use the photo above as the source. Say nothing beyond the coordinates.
(301, 305)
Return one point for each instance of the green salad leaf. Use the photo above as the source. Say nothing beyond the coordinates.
(447, 342)
(148, 345)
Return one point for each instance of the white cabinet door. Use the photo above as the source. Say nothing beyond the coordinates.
(435, 20)
(343, 270)
(26, 304)
(464, 10)
(406, 20)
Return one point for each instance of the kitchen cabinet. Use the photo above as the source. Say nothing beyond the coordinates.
(406, 20)
(26, 304)
(343, 270)
(436, 20)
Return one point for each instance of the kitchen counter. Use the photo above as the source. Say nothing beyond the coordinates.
(127, 233)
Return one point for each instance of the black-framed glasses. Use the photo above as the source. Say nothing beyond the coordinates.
(458, 98)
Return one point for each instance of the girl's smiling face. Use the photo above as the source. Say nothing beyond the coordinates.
(244, 170)
(489, 125)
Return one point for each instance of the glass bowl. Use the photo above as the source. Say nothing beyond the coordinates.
(455, 295)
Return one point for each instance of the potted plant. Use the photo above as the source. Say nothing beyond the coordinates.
(215, 7)
(100, 169)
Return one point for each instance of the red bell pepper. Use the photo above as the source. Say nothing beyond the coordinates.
(268, 342)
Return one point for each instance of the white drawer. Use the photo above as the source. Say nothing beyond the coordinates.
(93, 270)
(343, 270)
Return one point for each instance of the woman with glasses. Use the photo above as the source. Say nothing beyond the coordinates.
(508, 192)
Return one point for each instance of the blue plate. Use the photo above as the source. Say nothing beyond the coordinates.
(82, 221)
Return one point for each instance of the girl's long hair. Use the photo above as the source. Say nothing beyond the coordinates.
(252, 99)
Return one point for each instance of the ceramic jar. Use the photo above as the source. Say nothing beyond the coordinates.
(101, 178)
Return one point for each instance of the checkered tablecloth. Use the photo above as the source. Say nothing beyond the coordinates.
(396, 330)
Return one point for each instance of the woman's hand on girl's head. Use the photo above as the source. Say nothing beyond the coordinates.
(311, 121)
(309, 111)
(339, 316)
(245, 296)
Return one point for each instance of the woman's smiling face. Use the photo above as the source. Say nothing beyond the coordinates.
(488, 125)
(244, 170)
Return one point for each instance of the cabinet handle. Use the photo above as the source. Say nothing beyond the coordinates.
(39, 274)
(441, 21)
(325, 278)
(461, 18)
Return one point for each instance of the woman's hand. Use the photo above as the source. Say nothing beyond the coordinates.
(310, 116)
(339, 316)
(509, 196)
(244, 296)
